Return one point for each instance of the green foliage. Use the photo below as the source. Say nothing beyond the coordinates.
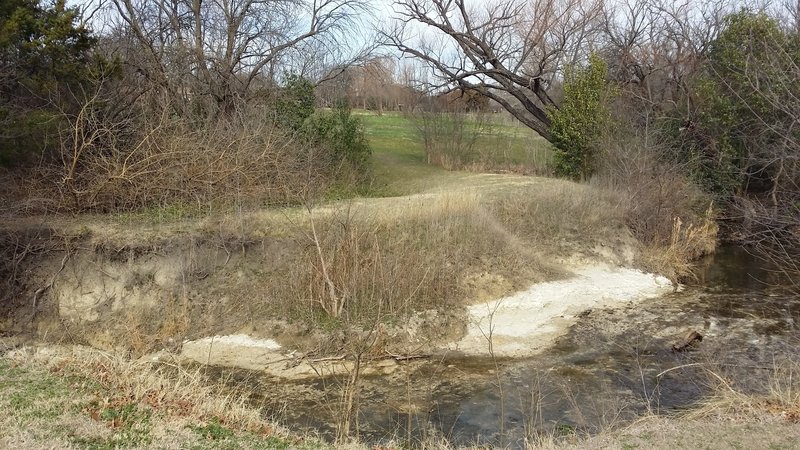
(213, 431)
(341, 133)
(581, 119)
(295, 102)
(737, 118)
(44, 52)
(46, 43)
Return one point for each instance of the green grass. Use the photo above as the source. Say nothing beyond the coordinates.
(30, 397)
(47, 407)
(400, 164)
(506, 140)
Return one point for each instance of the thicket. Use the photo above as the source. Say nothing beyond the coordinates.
(713, 120)
(86, 128)
(45, 62)
(749, 123)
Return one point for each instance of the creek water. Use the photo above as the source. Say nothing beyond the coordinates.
(611, 366)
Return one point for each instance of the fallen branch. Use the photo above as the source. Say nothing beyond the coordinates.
(405, 357)
(327, 358)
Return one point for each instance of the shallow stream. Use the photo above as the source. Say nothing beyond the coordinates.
(611, 366)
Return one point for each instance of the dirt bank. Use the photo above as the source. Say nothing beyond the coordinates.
(143, 285)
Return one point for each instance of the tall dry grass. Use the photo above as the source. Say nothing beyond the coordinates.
(769, 391)
(390, 263)
(672, 218)
(418, 257)
(687, 244)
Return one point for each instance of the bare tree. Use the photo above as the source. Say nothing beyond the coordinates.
(656, 48)
(370, 83)
(218, 50)
(511, 50)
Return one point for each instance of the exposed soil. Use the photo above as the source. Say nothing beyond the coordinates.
(529, 321)
(140, 286)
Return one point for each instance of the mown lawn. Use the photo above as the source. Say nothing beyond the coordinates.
(400, 163)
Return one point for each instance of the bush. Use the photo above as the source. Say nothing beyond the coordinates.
(148, 160)
(341, 134)
(669, 214)
(580, 120)
(295, 102)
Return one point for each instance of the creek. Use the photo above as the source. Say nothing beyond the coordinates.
(612, 365)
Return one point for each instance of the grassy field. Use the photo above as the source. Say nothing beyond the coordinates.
(400, 162)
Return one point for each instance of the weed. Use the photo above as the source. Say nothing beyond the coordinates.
(213, 430)
(88, 400)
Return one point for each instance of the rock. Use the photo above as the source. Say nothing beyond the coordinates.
(691, 339)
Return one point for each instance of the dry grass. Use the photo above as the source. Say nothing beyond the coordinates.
(391, 261)
(155, 160)
(60, 397)
(687, 244)
(562, 213)
(76, 397)
(774, 392)
(670, 216)
(171, 388)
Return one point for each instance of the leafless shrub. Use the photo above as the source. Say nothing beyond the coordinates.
(670, 215)
(136, 161)
(406, 260)
(376, 268)
(449, 137)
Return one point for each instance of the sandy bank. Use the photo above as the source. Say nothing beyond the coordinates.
(519, 325)
(526, 323)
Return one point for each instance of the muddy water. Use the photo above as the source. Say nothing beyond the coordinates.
(611, 366)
